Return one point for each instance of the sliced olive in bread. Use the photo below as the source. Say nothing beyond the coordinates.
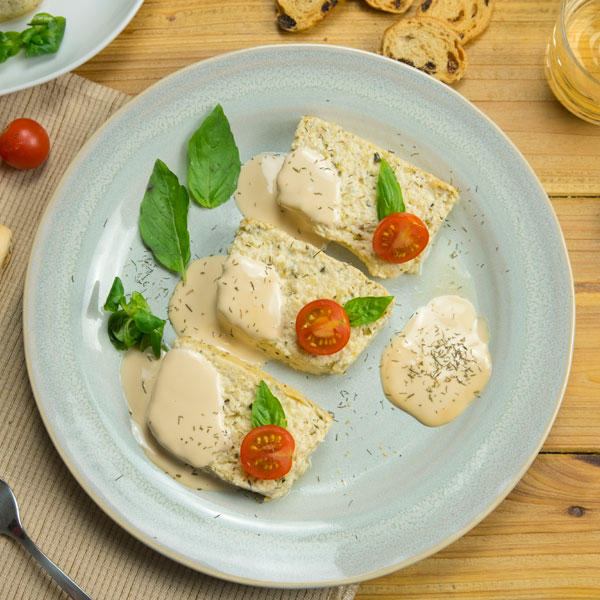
(428, 45)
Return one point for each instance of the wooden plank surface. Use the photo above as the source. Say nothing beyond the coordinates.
(543, 541)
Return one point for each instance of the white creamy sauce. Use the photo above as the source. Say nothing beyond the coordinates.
(193, 310)
(309, 184)
(439, 363)
(249, 298)
(138, 375)
(185, 413)
(256, 197)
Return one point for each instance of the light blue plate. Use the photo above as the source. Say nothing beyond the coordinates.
(384, 491)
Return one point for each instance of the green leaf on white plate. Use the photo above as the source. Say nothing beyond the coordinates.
(214, 161)
(163, 219)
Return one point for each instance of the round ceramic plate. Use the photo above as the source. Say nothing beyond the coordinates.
(383, 490)
(91, 25)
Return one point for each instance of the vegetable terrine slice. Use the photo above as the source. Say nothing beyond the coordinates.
(305, 274)
(357, 163)
(239, 381)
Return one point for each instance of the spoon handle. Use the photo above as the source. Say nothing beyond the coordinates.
(67, 584)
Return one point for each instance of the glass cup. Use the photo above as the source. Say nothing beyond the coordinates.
(573, 58)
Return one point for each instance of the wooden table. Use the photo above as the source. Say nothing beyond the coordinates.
(543, 541)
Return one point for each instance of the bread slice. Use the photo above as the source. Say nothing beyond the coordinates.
(6, 239)
(307, 422)
(391, 6)
(357, 163)
(467, 17)
(299, 15)
(427, 44)
(306, 274)
(11, 9)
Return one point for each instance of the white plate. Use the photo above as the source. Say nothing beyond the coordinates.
(91, 25)
(383, 490)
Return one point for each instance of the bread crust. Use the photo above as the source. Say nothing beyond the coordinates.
(391, 6)
(468, 18)
(300, 15)
(6, 242)
(427, 44)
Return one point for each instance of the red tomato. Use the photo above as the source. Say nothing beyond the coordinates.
(24, 144)
(322, 327)
(400, 237)
(266, 452)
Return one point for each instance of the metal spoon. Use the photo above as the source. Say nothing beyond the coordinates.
(10, 525)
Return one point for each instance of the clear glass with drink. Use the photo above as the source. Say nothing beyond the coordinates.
(573, 58)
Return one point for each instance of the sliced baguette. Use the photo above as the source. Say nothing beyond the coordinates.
(307, 422)
(306, 274)
(299, 15)
(428, 45)
(357, 163)
(467, 17)
(6, 240)
(391, 6)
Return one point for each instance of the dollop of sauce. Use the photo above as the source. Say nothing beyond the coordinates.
(185, 413)
(309, 184)
(249, 298)
(138, 375)
(439, 363)
(193, 310)
(256, 197)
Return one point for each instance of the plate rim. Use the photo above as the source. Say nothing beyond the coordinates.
(79, 61)
(148, 541)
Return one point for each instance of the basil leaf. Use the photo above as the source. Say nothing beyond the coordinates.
(214, 161)
(366, 309)
(266, 409)
(163, 219)
(10, 44)
(389, 194)
(117, 292)
(132, 323)
(44, 36)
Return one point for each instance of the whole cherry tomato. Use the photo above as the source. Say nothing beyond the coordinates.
(24, 144)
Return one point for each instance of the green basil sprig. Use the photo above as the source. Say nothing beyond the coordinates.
(366, 309)
(43, 36)
(163, 219)
(132, 323)
(266, 409)
(214, 161)
(389, 194)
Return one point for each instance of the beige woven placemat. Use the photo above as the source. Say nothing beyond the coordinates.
(103, 559)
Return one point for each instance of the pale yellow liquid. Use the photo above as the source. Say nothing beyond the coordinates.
(573, 68)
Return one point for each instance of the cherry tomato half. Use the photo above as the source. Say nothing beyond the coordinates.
(266, 452)
(400, 237)
(322, 327)
(24, 144)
